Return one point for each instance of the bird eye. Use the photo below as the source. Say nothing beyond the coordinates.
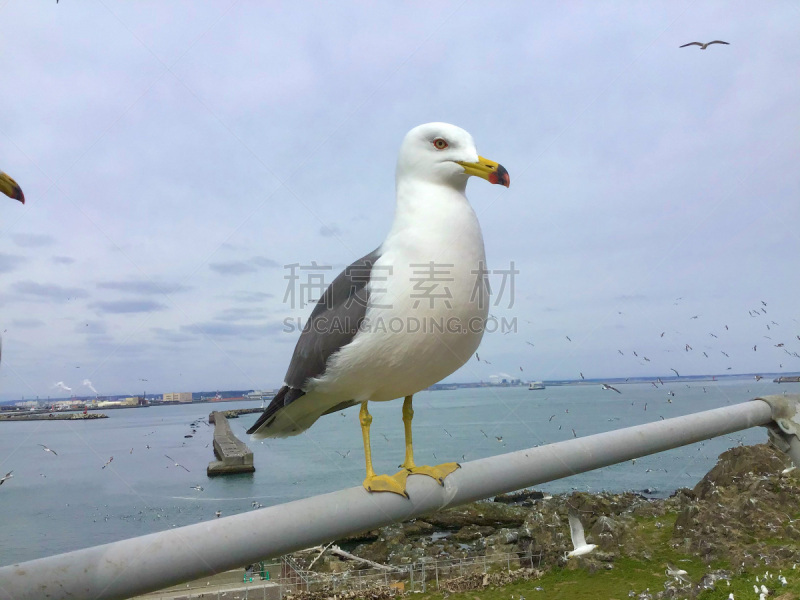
(440, 144)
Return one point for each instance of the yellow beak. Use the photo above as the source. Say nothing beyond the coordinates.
(488, 170)
(10, 188)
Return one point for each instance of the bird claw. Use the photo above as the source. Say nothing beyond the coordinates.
(438, 472)
(388, 483)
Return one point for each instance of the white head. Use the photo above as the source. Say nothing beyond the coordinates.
(445, 154)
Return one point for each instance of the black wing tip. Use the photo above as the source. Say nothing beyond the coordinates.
(285, 396)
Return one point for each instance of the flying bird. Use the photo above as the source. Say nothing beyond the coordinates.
(610, 387)
(10, 187)
(674, 371)
(46, 449)
(579, 545)
(108, 462)
(8, 475)
(335, 367)
(704, 46)
(177, 464)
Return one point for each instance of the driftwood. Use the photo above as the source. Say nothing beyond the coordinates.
(339, 552)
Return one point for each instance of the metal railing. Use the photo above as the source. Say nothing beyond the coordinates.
(155, 561)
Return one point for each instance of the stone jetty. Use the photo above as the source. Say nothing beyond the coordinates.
(52, 417)
(233, 455)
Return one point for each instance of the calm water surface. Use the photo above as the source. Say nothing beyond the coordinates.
(60, 503)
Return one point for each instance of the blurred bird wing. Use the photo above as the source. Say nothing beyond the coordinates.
(692, 44)
(576, 530)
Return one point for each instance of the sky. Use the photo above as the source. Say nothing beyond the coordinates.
(177, 156)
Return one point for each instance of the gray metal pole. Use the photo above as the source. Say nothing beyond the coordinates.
(155, 561)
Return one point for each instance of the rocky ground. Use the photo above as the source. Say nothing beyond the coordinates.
(742, 516)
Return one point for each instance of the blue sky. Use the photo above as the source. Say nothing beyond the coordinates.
(176, 156)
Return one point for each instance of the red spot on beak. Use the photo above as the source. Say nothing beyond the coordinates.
(500, 176)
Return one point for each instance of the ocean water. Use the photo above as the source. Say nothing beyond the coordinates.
(55, 504)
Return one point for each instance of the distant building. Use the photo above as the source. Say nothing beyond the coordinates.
(178, 397)
(27, 404)
(260, 395)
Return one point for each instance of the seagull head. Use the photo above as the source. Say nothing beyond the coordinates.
(10, 187)
(445, 154)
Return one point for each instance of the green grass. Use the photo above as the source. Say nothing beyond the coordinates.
(569, 583)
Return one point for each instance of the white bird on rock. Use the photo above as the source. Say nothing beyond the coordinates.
(362, 343)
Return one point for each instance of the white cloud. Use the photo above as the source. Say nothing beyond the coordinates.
(166, 201)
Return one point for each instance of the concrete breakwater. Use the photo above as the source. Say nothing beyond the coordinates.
(52, 417)
(233, 455)
(234, 413)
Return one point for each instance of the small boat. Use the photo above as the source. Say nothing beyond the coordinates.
(536, 385)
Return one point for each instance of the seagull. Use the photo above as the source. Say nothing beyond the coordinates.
(362, 359)
(10, 187)
(678, 574)
(704, 46)
(46, 449)
(199, 488)
(674, 371)
(576, 533)
(177, 464)
(605, 386)
(6, 476)
(108, 462)
(343, 454)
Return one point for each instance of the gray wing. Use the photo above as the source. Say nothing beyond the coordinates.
(333, 324)
(718, 42)
(691, 44)
(576, 529)
(334, 321)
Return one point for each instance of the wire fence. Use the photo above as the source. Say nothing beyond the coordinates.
(419, 576)
(277, 580)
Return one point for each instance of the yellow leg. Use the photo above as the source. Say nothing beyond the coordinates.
(379, 483)
(439, 472)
